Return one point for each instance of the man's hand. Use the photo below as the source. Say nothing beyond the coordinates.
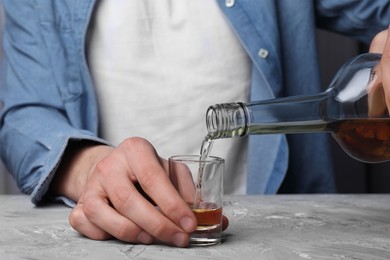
(105, 183)
(381, 44)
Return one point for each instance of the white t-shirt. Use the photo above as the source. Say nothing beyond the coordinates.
(158, 65)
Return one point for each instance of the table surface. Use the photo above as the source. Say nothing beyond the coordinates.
(261, 227)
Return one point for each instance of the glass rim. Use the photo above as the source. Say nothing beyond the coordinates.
(196, 158)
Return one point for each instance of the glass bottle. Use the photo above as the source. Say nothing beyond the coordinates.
(353, 109)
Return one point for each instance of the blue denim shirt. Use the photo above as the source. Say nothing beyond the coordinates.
(47, 97)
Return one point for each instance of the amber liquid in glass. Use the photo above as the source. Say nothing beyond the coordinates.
(208, 217)
(208, 231)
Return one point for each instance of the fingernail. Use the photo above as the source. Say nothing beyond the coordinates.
(144, 238)
(187, 224)
(180, 239)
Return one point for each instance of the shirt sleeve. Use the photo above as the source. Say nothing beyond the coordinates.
(361, 19)
(37, 118)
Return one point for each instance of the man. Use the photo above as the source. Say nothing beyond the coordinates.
(57, 71)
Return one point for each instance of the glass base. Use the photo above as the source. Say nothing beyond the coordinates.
(206, 236)
(204, 241)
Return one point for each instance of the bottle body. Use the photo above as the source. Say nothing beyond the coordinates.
(352, 109)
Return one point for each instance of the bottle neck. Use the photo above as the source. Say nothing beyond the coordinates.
(226, 120)
(300, 114)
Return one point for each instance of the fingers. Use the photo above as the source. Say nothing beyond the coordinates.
(118, 225)
(80, 222)
(108, 222)
(181, 178)
(155, 182)
(381, 44)
(378, 43)
(129, 203)
(112, 206)
(225, 222)
(385, 68)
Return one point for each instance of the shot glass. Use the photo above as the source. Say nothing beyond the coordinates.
(200, 184)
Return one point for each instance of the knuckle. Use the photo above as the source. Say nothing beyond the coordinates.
(159, 229)
(102, 168)
(121, 199)
(125, 233)
(138, 145)
(135, 142)
(172, 207)
(78, 222)
(128, 233)
(76, 219)
(90, 208)
(147, 179)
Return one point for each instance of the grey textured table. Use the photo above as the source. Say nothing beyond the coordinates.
(261, 227)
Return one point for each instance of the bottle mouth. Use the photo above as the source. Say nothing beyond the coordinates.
(212, 120)
(226, 120)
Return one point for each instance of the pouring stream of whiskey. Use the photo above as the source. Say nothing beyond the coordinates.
(205, 149)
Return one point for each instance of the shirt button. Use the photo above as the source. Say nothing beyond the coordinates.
(263, 53)
(229, 3)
